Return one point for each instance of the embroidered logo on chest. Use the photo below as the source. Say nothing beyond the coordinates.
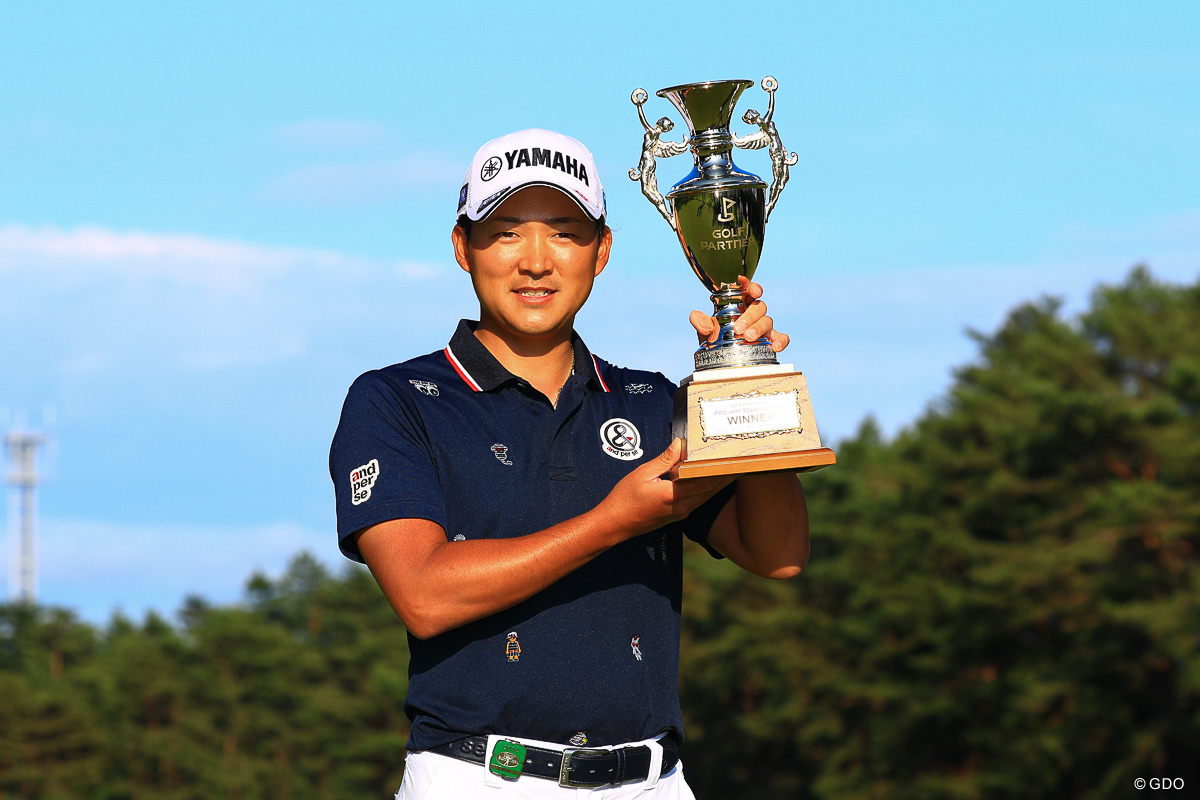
(639, 388)
(426, 388)
(620, 439)
(501, 451)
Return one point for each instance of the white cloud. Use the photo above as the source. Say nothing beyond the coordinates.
(106, 300)
(97, 566)
(326, 185)
(137, 256)
(362, 175)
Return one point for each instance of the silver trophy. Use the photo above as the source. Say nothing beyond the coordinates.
(719, 211)
(758, 416)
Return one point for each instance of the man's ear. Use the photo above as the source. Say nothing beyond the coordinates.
(605, 249)
(459, 237)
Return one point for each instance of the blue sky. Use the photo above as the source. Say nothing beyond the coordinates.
(213, 218)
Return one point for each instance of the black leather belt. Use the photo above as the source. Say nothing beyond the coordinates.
(578, 767)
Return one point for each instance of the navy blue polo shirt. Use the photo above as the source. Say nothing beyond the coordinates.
(455, 438)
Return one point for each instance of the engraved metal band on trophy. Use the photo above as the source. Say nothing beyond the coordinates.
(719, 211)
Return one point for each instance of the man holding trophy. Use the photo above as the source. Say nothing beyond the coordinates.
(515, 497)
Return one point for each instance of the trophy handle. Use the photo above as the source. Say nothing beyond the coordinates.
(653, 148)
(767, 136)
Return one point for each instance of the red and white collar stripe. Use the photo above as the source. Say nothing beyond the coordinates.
(461, 370)
(596, 367)
(466, 376)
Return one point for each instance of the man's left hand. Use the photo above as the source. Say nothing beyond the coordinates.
(752, 325)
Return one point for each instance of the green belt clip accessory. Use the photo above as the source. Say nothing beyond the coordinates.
(508, 759)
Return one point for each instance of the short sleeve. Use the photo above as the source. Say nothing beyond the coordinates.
(380, 462)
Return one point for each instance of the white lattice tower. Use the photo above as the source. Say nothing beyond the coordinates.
(22, 447)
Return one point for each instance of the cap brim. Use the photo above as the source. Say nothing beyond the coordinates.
(490, 204)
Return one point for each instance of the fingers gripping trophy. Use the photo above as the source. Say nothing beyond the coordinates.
(740, 411)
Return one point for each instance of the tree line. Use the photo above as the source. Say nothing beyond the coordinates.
(1003, 601)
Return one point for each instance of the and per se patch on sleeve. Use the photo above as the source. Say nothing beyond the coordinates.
(380, 462)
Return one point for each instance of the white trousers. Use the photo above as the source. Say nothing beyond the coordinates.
(430, 776)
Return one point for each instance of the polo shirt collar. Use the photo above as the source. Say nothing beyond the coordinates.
(480, 370)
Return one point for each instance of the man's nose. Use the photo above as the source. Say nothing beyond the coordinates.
(537, 257)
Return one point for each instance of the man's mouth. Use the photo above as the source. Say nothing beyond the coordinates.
(535, 292)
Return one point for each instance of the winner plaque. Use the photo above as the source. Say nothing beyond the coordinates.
(740, 411)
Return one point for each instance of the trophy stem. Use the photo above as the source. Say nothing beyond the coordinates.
(730, 349)
(726, 309)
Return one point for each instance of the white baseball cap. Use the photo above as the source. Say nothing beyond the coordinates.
(532, 157)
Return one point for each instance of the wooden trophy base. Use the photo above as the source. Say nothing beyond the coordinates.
(747, 419)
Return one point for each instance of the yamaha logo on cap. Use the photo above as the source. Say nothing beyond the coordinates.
(491, 168)
(544, 157)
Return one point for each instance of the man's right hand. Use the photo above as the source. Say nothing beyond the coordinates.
(650, 496)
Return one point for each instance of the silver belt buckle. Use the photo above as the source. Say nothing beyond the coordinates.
(564, 772)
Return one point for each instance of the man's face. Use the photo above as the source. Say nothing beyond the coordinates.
(532, 263)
